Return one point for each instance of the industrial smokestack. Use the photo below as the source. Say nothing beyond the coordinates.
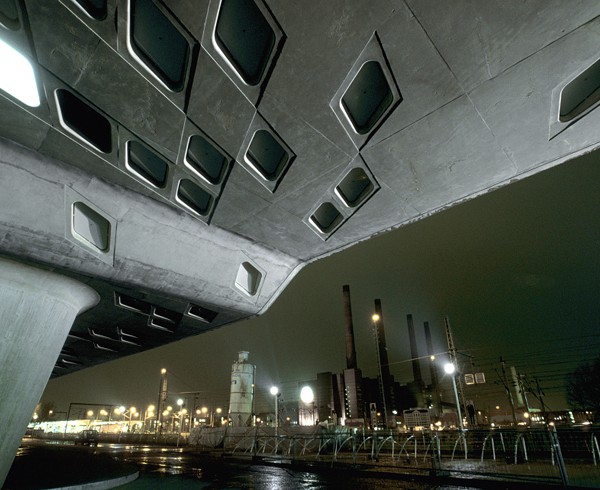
(351, 362)
(435, 393)
(429, 342)
(384, 365)
(382, 346)
(416, 366)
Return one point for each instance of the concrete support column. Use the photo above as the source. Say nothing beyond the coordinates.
(37, 310)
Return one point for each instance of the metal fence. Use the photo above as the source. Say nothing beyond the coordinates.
(562, 456)
(569, 456)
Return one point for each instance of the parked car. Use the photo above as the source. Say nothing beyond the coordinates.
(89, 437)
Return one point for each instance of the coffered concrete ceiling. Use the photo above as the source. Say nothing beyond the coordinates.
(187, 158)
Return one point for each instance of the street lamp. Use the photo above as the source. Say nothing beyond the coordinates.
(90, 414)
(149, 414)
(275, 393)
(307, 396)
(450, 369)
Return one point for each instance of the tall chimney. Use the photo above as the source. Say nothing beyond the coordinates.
(435, 393)
(351, 362)
(382, 346)
(416, 366)
(387, 392)
(432, 370)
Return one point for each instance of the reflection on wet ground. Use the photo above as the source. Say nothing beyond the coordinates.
(170, 468)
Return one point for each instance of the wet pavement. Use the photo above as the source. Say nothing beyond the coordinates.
(57, 464)
(51, 465)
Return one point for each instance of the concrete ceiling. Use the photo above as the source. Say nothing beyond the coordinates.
(187, 158)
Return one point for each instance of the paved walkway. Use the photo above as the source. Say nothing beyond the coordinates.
(62, 467)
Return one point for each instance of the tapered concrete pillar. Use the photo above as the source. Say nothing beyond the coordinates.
(37, 310)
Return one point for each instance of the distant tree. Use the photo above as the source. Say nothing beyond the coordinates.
(583, 387)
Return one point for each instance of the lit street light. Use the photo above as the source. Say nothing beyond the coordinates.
(450, 369)
(275, 393)
(307, 396)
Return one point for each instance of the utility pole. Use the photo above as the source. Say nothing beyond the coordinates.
(540, 397)
(508, 391)
(453, 360)
(523, 390)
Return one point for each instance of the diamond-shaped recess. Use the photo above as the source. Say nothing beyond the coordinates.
(194, 197)
(353, 188)
(96, 9)
(367, 95)
(264, 154)
(244, 39)
(158, 44)
(575, 98)
(206, 159)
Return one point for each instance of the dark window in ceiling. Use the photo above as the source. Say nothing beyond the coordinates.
(161, 324)
(245, 37)
(204, 158)
(9, 14)
(367, 97)
(124, 301)
(159, 43)
(85, 121)
(166, 314)
(582, 93)
(355, 187)
(267, 155)
(95, 8)
(326, 217)
(147, 164)
(204, 314)
(90, 227)
(194, 197)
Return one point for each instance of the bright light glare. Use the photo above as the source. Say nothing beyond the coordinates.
(449, 368)
(17, 77)
(274, 390)
(375, 317)
(306, 395)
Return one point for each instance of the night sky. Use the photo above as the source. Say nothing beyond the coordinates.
(517, 271)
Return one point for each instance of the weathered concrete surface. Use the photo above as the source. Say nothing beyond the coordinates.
(480, 84)
(37, 309)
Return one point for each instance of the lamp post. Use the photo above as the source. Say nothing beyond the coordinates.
(217, 412)
(450, 369)
(165, 414)
(162, 397)
(307, 396)
(275, 393)
(180, 405)
(148, 414)
(90, 414)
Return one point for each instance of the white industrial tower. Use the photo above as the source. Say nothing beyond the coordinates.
(241, 400)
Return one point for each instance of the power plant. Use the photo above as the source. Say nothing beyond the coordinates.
(349, 398)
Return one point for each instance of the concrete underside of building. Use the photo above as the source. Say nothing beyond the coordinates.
(186, 159)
